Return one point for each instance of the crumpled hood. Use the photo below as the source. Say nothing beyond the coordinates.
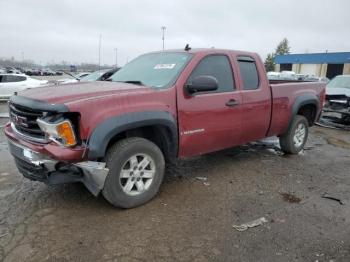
(338, 91)
(67, 93)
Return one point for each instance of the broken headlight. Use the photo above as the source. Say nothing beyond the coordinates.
(59, 130)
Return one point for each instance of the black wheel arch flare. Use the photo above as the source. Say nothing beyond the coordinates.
(111, 127)
(300, 101)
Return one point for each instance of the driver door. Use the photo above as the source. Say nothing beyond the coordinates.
(210, 121)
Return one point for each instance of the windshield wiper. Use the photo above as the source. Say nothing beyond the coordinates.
(136, 82)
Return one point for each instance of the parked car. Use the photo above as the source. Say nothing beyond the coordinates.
(288, 75)
(10, 83)
(336, 111)
(317, 78)
(339, 85)
(273, 75)
(301, 77)
(29, 71)
(100, 75)
(117, 136)
(76, 78)
(33, 72)
(48, 72)
(12, 70)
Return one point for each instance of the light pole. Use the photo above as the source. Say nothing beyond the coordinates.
(99, 52)
(116, 57)
(163, 34)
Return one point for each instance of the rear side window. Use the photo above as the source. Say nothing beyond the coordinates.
(219, 67)
(12, 78)
(20, 78)
(249, 73)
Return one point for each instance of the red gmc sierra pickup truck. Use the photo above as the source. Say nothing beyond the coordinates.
(116, 136)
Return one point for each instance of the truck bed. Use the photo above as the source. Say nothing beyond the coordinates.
(284, 94)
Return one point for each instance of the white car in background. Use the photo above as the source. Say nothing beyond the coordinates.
(288, 75)
(273, 75)
(339, 86)
(10, 83)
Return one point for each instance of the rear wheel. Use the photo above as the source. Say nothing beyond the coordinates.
(136, 171)
(293, 141)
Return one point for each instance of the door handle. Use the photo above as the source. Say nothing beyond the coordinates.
(232, 103)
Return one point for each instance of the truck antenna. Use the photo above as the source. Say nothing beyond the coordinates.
(187, 47)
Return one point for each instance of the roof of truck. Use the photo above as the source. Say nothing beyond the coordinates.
(206, 50)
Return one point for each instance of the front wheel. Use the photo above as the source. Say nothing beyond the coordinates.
(136, 171)
(293, 141)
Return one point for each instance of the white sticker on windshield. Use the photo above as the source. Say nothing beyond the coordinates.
(164, 66)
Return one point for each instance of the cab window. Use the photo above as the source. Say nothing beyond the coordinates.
(249, 73)
(219, 67)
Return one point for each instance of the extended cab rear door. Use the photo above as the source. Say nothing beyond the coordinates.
(209, 121)
(256, 98)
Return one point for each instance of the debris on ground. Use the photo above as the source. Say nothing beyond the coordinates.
(201, 178)
(3, 235)
(328, 196)
(290, 198)
(279, 220)
(206, 184)
(254, 223)
(323, 122)
(308, 148)
(338, 142)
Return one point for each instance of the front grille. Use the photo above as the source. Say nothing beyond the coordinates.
(24, 121)
(337, 102)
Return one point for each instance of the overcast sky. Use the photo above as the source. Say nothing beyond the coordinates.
(57, 30)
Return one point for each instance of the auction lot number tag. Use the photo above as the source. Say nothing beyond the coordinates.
(164, 66)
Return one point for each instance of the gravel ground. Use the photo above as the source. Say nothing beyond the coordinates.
(191, 219)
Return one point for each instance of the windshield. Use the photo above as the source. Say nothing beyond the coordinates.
(340, 82)
(158, 70)
(93, 76)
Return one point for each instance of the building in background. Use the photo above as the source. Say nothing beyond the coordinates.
(318, 64)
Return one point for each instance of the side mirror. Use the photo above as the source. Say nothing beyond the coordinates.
(203, 83)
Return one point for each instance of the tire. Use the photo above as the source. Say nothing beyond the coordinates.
(123, 185)
(292, 142)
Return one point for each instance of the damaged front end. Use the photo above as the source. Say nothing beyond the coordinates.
(38, 167)
(45, 143)
(336, 111)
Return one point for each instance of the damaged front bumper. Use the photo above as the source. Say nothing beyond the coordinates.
(336, 112)
(38, 167)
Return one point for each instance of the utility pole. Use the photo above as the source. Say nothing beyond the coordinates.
(163, 34)
(116, 57)
(99, 52)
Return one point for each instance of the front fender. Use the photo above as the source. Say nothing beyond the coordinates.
(109, 128)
